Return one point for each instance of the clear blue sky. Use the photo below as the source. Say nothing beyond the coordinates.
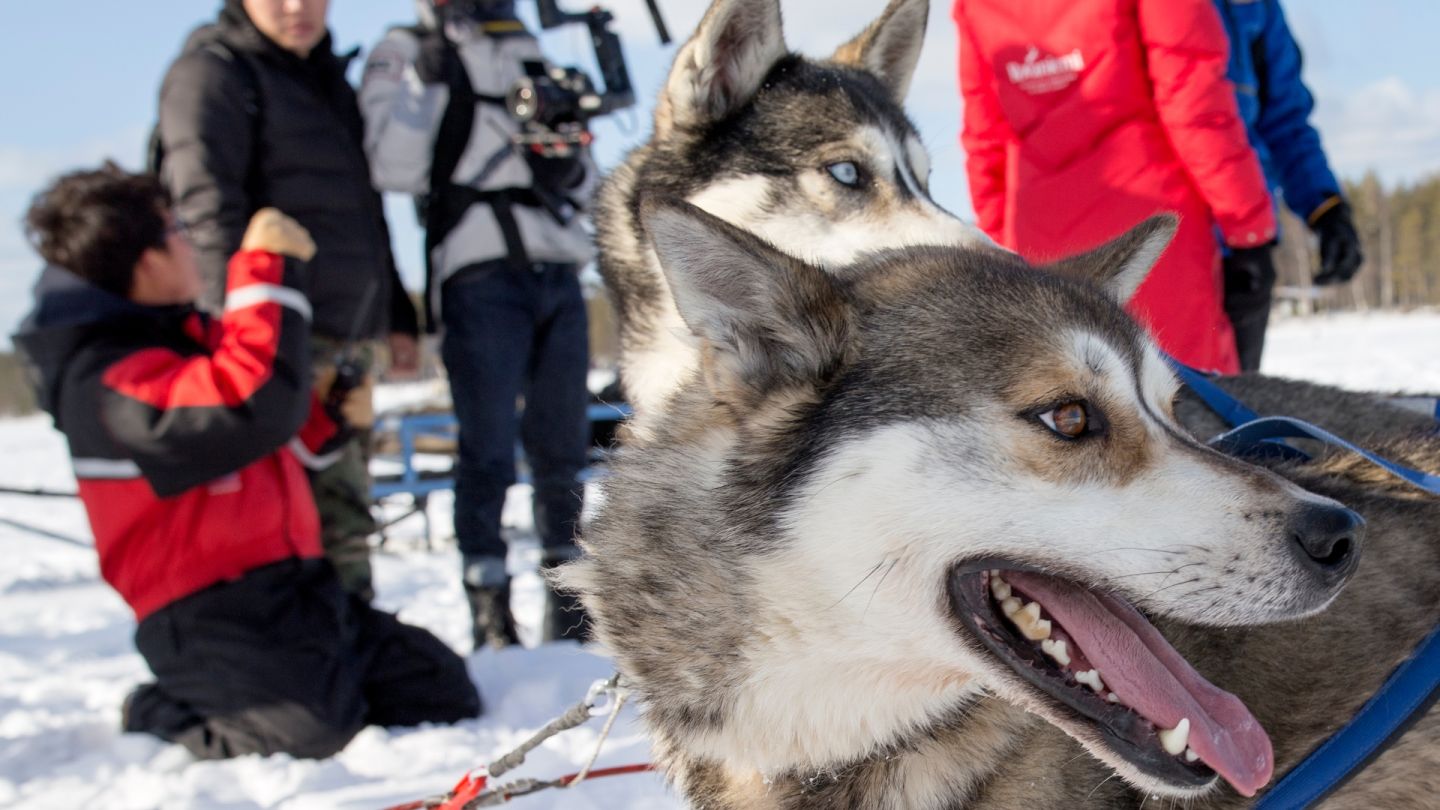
(81, 80)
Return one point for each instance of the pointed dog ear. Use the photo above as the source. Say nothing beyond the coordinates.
(1119, 266)
(723, 64)
(765, 319)
(890, 46)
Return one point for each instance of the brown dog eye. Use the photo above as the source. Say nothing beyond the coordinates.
(1071, 420)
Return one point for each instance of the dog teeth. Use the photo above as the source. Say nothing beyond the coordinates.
(1057, 649)
(1039, 631)
(1010, 606)
(1190, 755)
(999, 588)
(1091, 678)
(1174, 740)
(1113, 698)
(1028, 620)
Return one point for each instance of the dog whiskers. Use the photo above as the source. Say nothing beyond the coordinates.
(1168, 587)
(1206, 589)
(876, 589)
(1167, 573)
(1178, 569)
(1136, 548)
(845, 477)
(1099, 785)
(868, 574)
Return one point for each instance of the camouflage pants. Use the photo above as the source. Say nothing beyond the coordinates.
(342, 491)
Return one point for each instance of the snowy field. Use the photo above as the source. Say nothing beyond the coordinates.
(66, 658)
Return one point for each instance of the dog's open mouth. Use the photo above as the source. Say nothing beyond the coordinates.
(1098, 658)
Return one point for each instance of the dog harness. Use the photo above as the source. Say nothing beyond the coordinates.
(1410, 690)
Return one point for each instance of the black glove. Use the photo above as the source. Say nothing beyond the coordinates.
(1340, 255)
(1249, 270)
(433, 62)
(349, 375)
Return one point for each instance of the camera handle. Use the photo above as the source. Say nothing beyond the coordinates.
(552, 17)
(660, 28)
(619, 91)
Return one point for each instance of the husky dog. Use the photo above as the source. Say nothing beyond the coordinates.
(922, 531)
(816, 156)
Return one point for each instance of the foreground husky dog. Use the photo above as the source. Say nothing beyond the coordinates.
(895, 544)
(816, 156)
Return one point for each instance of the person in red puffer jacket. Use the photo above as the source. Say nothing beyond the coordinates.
(1083, 117)
(188, 438)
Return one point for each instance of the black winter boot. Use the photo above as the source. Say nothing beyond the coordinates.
(490, 616)
(565, 616)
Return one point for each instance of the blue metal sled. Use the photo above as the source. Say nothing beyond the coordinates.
(423, 473)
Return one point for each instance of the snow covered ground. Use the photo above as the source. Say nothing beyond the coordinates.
(1359, 351)
(66, 658)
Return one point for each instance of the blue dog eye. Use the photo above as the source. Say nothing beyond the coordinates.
(845, 172)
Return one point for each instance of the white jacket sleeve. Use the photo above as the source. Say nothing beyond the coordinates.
(402, 115)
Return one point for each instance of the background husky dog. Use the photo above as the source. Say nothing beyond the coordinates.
(817, 156)
(818, 568)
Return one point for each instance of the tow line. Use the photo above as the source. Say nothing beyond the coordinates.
(474, 790)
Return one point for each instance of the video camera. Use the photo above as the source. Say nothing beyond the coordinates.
(554, 96)
(555, 105)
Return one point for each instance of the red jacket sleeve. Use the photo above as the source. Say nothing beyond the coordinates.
(985, 135)
(189, 418)
(1187, 53)
(320, 442)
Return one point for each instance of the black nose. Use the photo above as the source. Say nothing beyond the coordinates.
(1327, 539)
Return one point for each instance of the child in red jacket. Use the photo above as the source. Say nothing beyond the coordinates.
(186, 439)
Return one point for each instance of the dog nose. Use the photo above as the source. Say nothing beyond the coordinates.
(1327, 539)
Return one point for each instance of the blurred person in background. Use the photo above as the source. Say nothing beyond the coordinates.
(1084, 117)
(256, 111)
(505, 243)
(187, 437)
(1276, 107)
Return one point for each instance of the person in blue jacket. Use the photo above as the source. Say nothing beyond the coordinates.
(1276, 106)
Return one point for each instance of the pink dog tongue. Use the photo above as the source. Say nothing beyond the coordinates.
(1152, 678)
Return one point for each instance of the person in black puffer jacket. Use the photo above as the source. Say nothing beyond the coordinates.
(256, 112)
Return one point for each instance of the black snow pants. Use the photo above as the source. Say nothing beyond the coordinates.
(283, 660)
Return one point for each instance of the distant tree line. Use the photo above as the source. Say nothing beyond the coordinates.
(1400, 230)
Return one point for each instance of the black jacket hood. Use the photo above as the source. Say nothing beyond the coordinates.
(68, 312)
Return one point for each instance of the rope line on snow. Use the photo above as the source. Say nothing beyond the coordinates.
(38, 493)
(473, 789)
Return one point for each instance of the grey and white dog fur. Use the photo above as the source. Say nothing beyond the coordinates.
(815, 155)
(785, 565)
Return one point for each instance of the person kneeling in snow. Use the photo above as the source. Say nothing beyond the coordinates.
(187, 437)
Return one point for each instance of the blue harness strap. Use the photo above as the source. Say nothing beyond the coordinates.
(1252, 435)
(1228, 408)
(1402, 700)
(1410, 690)
(1234, 412)
(1240, 440)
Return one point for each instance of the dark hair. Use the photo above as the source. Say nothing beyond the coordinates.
(96, 223)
